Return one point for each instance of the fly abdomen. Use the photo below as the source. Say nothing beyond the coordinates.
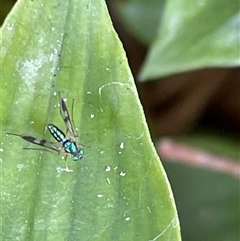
(56, 133)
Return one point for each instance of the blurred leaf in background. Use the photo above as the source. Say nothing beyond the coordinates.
(5, 8)
(177, 47)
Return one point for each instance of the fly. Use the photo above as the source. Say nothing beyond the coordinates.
(68, 145)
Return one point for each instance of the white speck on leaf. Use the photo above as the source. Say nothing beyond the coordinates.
(122, 145)
(20, 167)
(149, 209)
(122, 174)
(108, 180)
(40, 40)
(10, 27)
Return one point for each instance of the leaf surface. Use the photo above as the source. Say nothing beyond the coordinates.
(119, 190)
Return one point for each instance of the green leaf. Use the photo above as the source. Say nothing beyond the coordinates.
(119, 190)
(191, 35)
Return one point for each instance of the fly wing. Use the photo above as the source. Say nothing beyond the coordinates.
(40, 142)
(66, 117)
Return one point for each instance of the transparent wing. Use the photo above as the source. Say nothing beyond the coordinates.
(66, 117)
(37, 141)
(40, 142)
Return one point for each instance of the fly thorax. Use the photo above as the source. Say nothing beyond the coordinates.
(70, 147)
